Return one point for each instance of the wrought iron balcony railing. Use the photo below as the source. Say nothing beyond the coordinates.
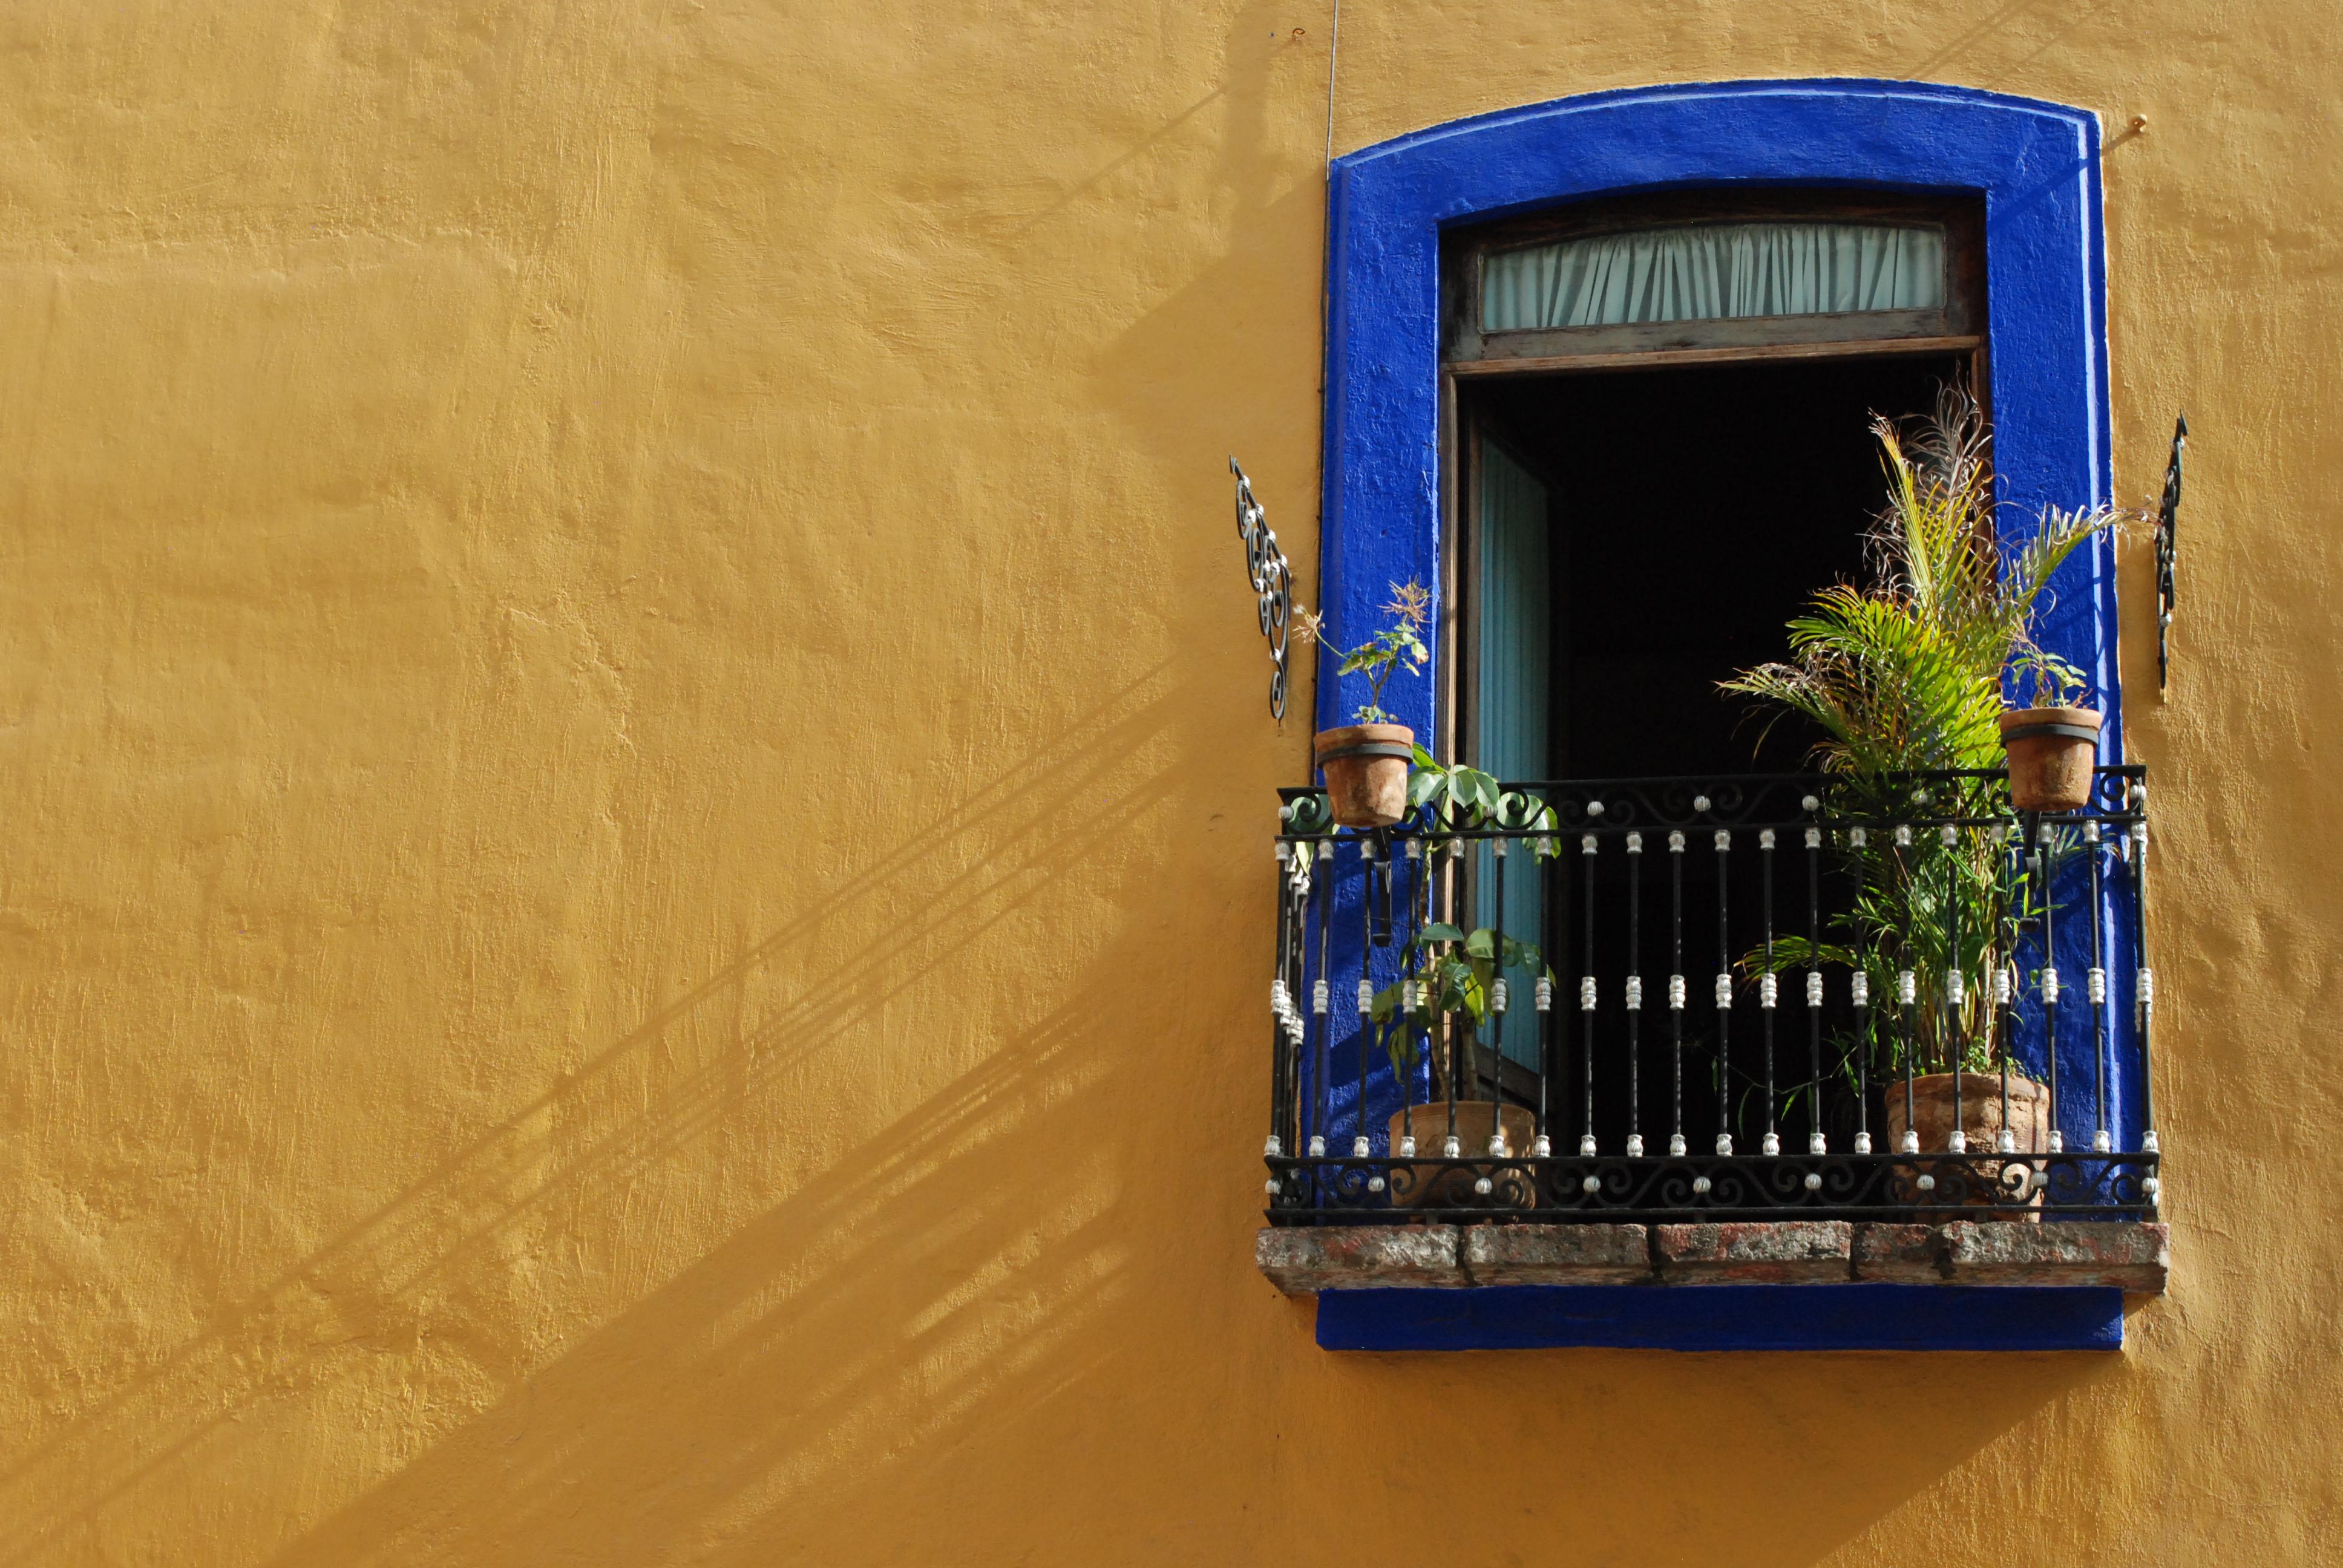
(1725, 999)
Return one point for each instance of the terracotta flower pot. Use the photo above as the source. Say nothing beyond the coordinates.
(2051, 750)
(1979, 1120)
(1366, 767)
(1431, 1186)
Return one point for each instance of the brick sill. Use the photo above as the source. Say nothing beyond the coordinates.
(1302, 1260)
(1795, 1285)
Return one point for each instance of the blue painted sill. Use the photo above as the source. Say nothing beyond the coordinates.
(1850, 1317)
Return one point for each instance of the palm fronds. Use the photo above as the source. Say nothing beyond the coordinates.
(1903, 674)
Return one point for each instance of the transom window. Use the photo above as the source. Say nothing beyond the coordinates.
(1716, 271)
(1704, 272)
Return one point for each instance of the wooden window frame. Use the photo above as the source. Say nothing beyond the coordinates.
(1958, 328)
(1955, 327)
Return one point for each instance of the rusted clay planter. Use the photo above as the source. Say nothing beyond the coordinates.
(1366, 772)
(1980, 1122)
(1432, 1187)
(2051, 750)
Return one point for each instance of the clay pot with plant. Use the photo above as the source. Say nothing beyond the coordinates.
(2053, 744)
(1366, 764)
(1903, 675)
(1441, 1011)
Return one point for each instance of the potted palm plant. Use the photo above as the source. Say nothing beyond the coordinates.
(1904, 674)
(1366, 763)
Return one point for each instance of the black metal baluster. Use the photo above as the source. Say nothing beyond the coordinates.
(1675, 992)
(1907, 992)
(1278, 989)
(1817, 1142)
(1549, 869)
(1956, 1047)
(1322, 997)
(1451, 1147)
(1635, 995)
(1723, 996)
(2102, 1141)
(2144, 996)
(1768, 986)
(2045, 868)
(1497, 1000)
(1285, 999)
(2005, 988)
(1586, 845)
(1418, 903)
(1858, 987)
(1366, 989)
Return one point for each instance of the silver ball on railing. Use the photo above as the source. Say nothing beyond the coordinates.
(1591, 1185)
(1483, 1186)
(1700, 803)
(2151, 1187)
(1810, 803)
(1374, 1183)
(1700, 1185)
(1271, 1187)
(1927, 1183)
(1813, 1182)
(1594, 808)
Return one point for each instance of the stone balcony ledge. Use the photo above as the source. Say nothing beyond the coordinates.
(1304, 1260)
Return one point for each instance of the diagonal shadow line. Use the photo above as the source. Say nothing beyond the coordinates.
(1035, 794)
(904, 1232)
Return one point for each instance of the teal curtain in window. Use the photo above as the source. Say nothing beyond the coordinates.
(1517, 658)
(1703, 272)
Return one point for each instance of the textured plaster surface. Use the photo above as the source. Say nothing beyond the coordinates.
(636, 886)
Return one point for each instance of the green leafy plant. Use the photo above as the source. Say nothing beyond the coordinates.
(2056, 682)
(1463, 798)
(1399, 646)
(1904, 674)
(1446, 991)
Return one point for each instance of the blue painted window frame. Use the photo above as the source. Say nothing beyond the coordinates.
(2034, 164)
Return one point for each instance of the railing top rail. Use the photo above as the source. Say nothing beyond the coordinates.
(1944, 797)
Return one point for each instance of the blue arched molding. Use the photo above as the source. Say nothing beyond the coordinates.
(2036, 165)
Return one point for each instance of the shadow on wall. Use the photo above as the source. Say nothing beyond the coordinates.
(954, 1242)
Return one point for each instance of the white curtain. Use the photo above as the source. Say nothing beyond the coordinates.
(1706, 271)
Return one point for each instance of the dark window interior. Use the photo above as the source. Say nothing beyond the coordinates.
(1694, 510)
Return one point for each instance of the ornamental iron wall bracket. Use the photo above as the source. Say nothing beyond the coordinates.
(2167, 515)
(1273, 583)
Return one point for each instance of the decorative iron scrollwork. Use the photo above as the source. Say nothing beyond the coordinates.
(2167, 515)
(1272, 581)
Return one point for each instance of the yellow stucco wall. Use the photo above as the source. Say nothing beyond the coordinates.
(636, 861)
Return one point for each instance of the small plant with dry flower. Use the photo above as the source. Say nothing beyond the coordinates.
(1399, 646)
